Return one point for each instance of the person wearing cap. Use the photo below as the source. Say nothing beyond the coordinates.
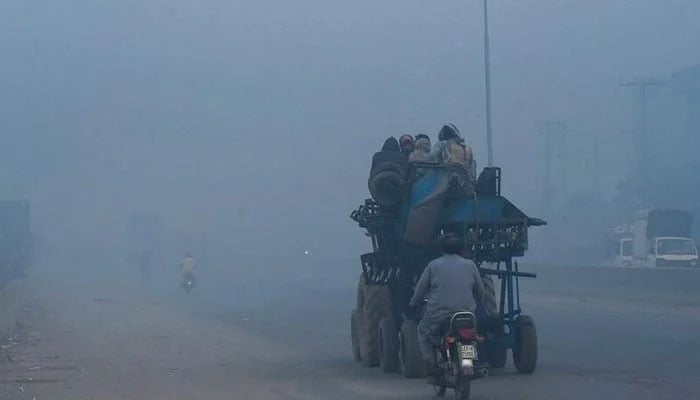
(450, 284)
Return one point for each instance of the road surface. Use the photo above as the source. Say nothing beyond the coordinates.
(279, 330)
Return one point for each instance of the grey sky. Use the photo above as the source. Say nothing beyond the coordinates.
(251, 122)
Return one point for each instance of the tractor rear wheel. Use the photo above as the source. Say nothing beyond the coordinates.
(355, 336)
(388, 345)
(412, 364)
(374, 303)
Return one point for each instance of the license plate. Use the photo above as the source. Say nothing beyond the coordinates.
(467, 352)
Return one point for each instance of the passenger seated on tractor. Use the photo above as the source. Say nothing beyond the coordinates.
(451, 284)
(452, 151)
(388, 174)
(421, 151)
(407, 144)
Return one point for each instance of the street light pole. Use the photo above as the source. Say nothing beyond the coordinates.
(641, 144)
(487, 76)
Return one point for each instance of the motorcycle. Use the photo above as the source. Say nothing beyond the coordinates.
(188, 282)
(457, 357)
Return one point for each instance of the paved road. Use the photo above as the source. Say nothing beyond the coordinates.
(604, 332)
(280, 330)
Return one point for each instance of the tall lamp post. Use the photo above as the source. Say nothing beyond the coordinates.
(487, 77)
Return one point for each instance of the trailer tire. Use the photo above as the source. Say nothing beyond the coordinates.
(525, 349)
(355, 336)
(497, 356)
(490, 302)
(388, 345)
(374, 303)
(412, 364)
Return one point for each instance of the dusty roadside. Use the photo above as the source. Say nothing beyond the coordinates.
(254, 333)
(114, 342)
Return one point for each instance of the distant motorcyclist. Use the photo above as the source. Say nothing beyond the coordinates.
(450, 284)
(188, 268)
(452, 151)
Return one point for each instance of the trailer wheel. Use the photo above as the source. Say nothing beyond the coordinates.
(496, 351)
(497, 356)
(412, 364)
(388, 345)
(355, 337)
(525, 350)
(374, 303)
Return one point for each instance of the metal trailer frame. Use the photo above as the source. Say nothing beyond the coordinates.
(398, 265)
(510, 298)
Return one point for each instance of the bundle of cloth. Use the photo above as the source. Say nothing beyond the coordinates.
(389, 174)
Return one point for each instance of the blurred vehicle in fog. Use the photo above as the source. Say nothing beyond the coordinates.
(656, 238)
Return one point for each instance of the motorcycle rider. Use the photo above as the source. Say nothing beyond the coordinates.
(188, 268)
(450, 284)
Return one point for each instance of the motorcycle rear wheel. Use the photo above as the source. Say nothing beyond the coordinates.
(463, 389)
(440, 390)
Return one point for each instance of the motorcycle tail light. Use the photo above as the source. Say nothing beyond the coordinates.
(467, 333)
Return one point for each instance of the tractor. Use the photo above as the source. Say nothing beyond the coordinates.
(495, 232)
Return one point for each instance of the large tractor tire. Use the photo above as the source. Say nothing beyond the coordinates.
(388, 345)
(525, 349)
(355, 336)
(373, 303)
(412, 364)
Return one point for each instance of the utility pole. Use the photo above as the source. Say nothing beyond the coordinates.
(549, 129)
(686, 83)
(591, 166)
(487, 77)
(641, 139)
